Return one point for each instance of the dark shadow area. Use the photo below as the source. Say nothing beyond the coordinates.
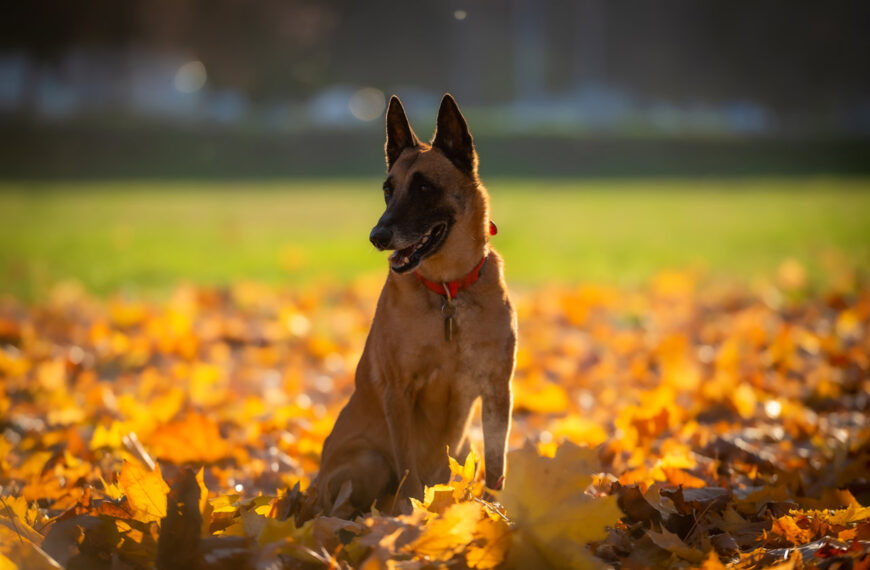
(163, 151)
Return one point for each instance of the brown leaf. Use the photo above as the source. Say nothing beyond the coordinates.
(689, 501)
(632, 502)
(178, 545)
(672, 543)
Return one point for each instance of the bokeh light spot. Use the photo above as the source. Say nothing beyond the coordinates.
(367, 104)
(772, 408)
(460, 15)
(190, 77)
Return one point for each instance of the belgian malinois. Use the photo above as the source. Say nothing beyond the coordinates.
(443, 334)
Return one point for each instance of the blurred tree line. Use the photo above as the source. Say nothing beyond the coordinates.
(560, 87)
(787, 55)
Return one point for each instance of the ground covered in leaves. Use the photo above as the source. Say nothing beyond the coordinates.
(680, 425)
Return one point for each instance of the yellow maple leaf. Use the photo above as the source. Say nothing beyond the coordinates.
(438, 498)
(492, 540)
(21, 516)
(467, 471)
(448, 534)
(111, 436)
(554, 517)
(146, 491)
(225, 504)
(853, 513)
(273, 530)
(465, 483)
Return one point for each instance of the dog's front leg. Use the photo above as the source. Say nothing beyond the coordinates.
(400, 423)
(496, 416)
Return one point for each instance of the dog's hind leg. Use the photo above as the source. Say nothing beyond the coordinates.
(371, 478)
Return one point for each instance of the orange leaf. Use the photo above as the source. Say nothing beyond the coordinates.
(787, 528)
(448, 534)
(492, 540)
(193, 439)
(146, 491)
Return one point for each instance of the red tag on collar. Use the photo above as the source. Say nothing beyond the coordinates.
(493, 229)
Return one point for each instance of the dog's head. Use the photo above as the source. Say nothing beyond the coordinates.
(437, 210)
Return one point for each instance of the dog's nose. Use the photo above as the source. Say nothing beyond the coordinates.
(381, 237)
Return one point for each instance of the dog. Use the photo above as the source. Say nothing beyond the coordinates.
(443, 336)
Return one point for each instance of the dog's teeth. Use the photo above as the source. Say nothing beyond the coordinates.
(404, 260)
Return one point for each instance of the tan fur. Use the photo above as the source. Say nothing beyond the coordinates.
(415, 392)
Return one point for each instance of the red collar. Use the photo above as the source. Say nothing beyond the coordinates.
(449, 289)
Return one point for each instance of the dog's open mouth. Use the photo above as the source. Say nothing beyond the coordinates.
(408, 258)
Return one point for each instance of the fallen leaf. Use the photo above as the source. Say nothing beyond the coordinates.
(448, 534)
(193, 439)
(146, 491)
(673, 543)
(554, 517)
(492, 539)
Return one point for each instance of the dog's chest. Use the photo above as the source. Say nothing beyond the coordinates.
(430, 359)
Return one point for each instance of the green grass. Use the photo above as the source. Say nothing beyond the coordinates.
(146, 237)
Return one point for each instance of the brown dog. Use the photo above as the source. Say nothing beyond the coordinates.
(443, 335)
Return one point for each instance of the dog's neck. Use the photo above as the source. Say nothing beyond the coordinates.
(456, 261)
(452, 273)
(450, 289)
(465, 246)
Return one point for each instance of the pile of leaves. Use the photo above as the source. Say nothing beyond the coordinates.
(678, 425)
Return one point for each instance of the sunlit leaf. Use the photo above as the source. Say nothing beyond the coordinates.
(492, 541)
(555, 518)
(146, 491)
(194, 438)
(448, 534)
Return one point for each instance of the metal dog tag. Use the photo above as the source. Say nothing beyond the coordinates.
(448, 310)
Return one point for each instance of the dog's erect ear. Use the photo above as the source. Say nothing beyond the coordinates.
(400, 135)
(453, 138)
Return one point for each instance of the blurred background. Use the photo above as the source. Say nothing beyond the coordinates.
(148, 141)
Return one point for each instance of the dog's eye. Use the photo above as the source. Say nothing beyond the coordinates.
(388, 190)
